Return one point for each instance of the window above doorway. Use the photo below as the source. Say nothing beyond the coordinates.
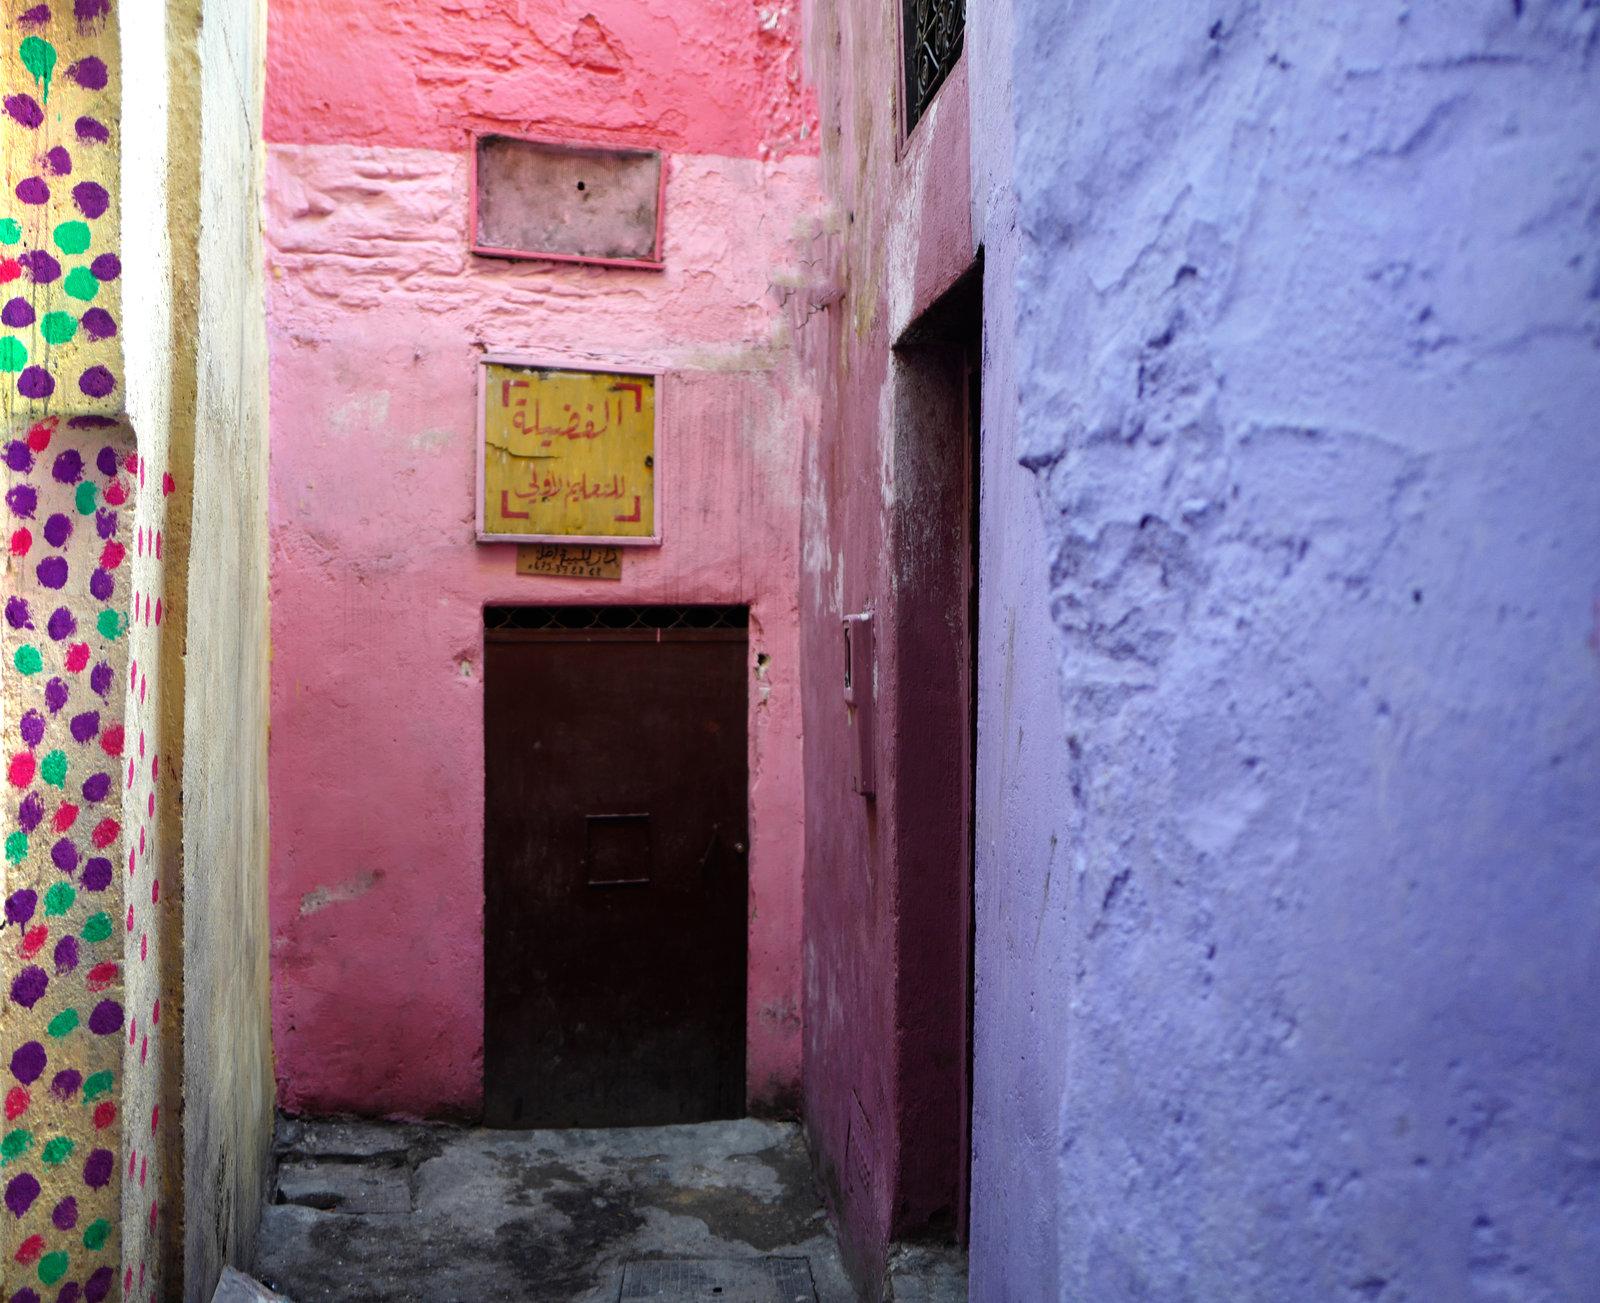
(931, 39)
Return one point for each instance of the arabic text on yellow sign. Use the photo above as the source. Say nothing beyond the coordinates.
(568, 453)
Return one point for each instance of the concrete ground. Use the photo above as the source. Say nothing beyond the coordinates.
(392, 1213)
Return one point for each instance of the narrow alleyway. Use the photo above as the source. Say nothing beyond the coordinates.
(725, 1210)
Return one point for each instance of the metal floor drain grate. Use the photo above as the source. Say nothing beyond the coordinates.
(718, 1280)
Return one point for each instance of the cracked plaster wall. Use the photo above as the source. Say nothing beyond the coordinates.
(377, 314)
(1307, 368)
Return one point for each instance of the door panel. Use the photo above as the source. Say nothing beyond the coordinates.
(615, 877)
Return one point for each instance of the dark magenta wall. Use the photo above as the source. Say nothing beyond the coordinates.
(884, 906)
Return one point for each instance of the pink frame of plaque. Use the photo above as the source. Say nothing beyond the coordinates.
(657, 263)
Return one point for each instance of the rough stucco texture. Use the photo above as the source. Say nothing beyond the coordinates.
(376, 317)
(689, 76)
(1308, 374)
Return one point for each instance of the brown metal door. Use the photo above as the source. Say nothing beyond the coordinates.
(614, 875)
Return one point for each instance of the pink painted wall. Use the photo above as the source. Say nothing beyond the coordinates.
(376, 316)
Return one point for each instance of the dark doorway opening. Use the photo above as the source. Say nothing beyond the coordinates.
(615, 882)
(939, 363)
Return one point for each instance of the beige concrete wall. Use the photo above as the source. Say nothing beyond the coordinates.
(228, 1088)
(198, 1104)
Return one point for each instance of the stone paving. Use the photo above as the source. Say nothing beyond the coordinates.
(368, 1212)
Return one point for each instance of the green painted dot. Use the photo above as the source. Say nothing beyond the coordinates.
(58, 327)
(57, 1151)
(110, 624)
(72, 237)
(63, 1024)
(15, 1145)
(10, 230)
(101, 1081)
(81, 284)
(59, 899)
(27, 660)
(86, 492)
(39, 58)
(16, 847)
(95, 1237)
(54, 769)
(52, 1267)
(13, 354)
(98, 928)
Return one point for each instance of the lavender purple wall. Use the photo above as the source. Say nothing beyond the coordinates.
(1289, 794)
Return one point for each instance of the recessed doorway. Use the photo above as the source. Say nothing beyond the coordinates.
(615, 853)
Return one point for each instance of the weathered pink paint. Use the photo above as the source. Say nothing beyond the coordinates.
(377, 315)
(691, 76)
(885, 1034)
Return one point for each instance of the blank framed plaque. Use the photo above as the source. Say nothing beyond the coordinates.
(570, 203)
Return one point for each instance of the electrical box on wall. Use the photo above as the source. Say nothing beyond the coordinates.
(860, 668)
(569, 203)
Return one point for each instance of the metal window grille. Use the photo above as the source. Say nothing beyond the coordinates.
(932, 36)
(616, 617)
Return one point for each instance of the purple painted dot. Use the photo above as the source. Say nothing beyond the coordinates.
(106, 460)
(17, 614)
(99, 1283)
(55, 695)
(64, 1085)
(91, 198)
(97, 323)
(19, 457)
(22, 500)
(58, 529)
(66, 955)
(102, 585)
(39, 14)
(29, 986)
(20, 906)
(25, 109)
(105, 523)
(33, 728)
(65, 855)
(107, 267)
(90, 422)
(96, 788)
(88, 11)
(52, 572)
(33, 190)
(30, 814)
(69, 1293)
(96, 874)
(86, 726)
(97, 382)
(18, 314)
(28, 1062)
(68, 468)
(89, 72)
(101, 677)
(41, 266)
(63, 624)
(21, 1191)
(91, 131)
(64, 1216)
(59, 161)
(35, 382)
(106, 1018)
(26, 1295)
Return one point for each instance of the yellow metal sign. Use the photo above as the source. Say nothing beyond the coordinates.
(566, 454)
